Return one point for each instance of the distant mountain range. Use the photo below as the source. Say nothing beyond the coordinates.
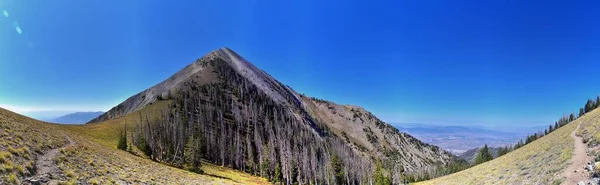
(77, 117)
(459, 139)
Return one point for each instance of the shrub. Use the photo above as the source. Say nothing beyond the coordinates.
(13, 151)
(70, 173)
(12, 179)
(93, 181)
(20, 169)
(4, 157)
(8, 166)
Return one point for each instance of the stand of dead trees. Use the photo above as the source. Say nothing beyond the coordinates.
(232, 123)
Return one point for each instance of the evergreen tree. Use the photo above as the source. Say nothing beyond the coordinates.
(338, 172)
(193, 153)
(502, 151)
(483, 155)
(571, 117)
(380, 177)
(278, 175)
(122, 145)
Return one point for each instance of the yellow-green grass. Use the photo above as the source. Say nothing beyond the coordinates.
(22, 139)
(107, 132)
(94, 158)
(540, 162)
(89, 161)
(590, 127)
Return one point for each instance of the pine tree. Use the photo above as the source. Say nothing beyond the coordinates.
(571, 117)
(193, 154)
(483, 155)
(122, 145)
(380, 177)
(338, 172)
(278, 175)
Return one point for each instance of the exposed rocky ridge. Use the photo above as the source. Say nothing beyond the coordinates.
(235, 98)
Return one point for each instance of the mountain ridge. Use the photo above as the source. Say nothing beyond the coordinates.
(230, 92)
(77, 117)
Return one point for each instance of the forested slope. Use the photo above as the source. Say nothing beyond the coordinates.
(241, 117)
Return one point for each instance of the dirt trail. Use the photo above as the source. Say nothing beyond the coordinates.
(575, 171)
(45, 165)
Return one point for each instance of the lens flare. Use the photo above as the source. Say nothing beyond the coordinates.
(17, 27)
(5, 13)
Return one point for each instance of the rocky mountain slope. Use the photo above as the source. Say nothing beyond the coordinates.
(247, 120)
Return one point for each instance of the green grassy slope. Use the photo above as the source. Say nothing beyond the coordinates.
(540, 162)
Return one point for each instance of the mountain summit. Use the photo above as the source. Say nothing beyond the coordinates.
(202, 74)
(241, 117)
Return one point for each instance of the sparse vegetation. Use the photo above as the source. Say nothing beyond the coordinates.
(540, 162)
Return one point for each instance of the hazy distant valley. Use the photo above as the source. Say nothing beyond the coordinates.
(459, 139)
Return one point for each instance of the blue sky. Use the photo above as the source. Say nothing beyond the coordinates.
(507, 63)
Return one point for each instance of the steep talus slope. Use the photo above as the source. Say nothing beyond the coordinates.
(247, 120)
(366, 133)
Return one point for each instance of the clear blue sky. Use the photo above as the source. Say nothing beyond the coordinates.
(440, 62)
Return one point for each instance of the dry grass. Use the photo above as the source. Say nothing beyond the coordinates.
(22, 139)
(94, 158)
(590, 127)
(540, 162)
(107, 133)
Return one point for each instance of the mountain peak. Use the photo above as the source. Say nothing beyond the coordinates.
(202, 71)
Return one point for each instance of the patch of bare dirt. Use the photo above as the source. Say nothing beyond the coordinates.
(45, 166)
(575, 172)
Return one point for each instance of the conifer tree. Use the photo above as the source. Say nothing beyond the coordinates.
(483, 155)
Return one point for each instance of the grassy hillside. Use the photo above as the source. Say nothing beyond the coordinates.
(22, 140)
(590, 128)
(92, 158)
(540, 162)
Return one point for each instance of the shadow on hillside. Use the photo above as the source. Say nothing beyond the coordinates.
(221, 177)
